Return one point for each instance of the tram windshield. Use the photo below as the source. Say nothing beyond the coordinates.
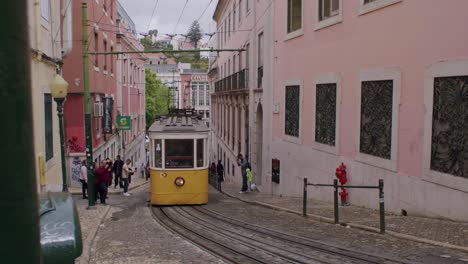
(179, 153)
(158, 153)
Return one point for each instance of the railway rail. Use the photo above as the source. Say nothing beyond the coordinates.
(239, 242)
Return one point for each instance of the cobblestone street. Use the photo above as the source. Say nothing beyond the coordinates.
(125, 232)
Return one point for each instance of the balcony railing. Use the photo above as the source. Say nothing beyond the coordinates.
(232, 83)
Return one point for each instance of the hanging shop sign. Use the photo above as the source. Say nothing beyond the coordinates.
(107, 114)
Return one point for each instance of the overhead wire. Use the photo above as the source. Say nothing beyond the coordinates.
(181, 13)
(151, 19)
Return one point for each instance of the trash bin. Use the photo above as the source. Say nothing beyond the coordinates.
(61, 240)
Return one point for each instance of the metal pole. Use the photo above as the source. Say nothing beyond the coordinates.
(59, 102)
(382, 206)
(304, 199)
(19, 242)
(87, 109)
(335, 201)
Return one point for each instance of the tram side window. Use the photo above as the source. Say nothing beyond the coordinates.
(179, 153)
(200, 153)
(158, 153)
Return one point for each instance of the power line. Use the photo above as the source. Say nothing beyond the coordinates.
(151, 19)
(181, 13)
(205, 10)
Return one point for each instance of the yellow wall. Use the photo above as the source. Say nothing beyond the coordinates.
(165, 192)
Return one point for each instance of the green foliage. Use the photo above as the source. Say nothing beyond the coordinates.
(157, 97)
(194, 33)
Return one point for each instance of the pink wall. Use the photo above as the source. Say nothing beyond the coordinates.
(409, 35)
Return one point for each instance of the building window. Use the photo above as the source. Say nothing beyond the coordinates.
(367, 6)
(247, 6)
(229, 25)
(49, 137)
(207, 89)
(105, 55)
(325, 114)
(234, 19)
(201, 96)
(260, 60)
(240, 10)
(376, 118)
(449, 144)
(96, 47)
(45, 9)
(194, 94)
(294, 15)
(225, 31)
(112, 60)
(328, 8)
(291, 124)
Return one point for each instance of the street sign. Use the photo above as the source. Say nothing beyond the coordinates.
(124, 123)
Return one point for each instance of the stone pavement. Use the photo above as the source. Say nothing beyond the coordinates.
(137, 181)
(438, 232)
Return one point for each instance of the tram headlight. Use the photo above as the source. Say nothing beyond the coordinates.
(179, 181)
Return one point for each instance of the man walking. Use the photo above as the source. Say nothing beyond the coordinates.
(244, 164)
(102, 179)
(117, 169)
(126, 173)
(84, 178)
(220, 171)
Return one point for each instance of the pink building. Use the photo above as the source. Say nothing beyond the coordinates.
(241, 84)
(379, 85)
(116, 86)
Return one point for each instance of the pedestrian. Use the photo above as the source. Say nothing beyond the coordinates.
(126, 173)
(244, 164)
(142, 170)
(102, 179)
(117, 169)
(84, 179)
(109, 171)
(220, 171)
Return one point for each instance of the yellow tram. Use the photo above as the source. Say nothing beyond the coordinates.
(179, 161)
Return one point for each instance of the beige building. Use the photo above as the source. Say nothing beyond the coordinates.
(50, 40)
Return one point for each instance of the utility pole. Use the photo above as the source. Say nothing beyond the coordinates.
(20, 239)
(87, 109)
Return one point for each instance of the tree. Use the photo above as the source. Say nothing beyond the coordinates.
(194, 33)
(157, 97)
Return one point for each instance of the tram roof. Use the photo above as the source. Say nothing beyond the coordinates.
(179, 124)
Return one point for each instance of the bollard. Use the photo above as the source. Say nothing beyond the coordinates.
(304, 201)
(335, 200)
(382, 206)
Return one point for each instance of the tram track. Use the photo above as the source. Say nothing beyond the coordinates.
(239, 242)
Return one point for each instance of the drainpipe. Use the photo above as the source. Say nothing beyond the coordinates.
(20, 239)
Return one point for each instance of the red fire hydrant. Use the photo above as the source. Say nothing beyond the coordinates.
(343, 179)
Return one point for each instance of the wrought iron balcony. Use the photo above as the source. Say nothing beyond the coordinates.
(232, 83)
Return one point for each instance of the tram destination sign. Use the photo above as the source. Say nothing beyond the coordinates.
(124, 123)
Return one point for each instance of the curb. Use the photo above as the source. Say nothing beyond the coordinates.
(78, 192)
(90, 240)
(356, 226)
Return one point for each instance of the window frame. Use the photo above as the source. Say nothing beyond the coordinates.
(48, 110)
(288, 138)
(380, 74)
(326, 78)
(329, 21)
(297, 32)
(437, 70)
(376, 5)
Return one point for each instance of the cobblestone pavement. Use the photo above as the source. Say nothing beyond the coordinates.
(444, 231)
(349, 238)
(137, 181)
(129, 234)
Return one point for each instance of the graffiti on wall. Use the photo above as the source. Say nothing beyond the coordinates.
(75, 169)
(74, 146)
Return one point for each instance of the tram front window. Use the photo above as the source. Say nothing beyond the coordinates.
(179, 153)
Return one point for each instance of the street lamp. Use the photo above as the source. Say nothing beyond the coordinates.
(59, 90)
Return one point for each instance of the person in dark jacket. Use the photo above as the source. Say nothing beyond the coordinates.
(117, 169)
(102, 179)
(220, 171)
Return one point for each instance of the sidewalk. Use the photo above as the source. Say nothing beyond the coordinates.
(437, 232)
(137, 181)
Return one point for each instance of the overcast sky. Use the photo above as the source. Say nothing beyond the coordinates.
(167, 14)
